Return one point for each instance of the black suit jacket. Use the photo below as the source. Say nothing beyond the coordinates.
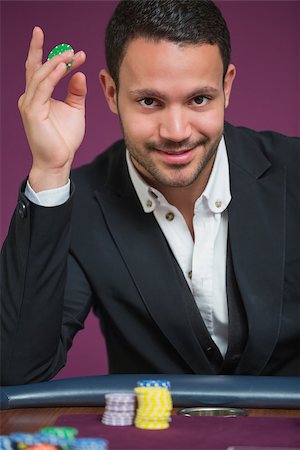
(101, 250)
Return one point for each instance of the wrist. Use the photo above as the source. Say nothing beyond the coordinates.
(42, 180)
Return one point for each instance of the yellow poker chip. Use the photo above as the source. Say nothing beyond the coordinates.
(153, 418)
(58, 50)
(154, 410)
(149, 390)
(154, 407)
(152, 425)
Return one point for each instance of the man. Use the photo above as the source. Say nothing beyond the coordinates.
(183, 238)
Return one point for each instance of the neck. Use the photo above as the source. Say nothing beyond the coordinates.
(184, 198)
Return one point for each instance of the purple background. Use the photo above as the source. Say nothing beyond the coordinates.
(266, 95)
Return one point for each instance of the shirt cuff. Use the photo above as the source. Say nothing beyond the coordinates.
(50, 197)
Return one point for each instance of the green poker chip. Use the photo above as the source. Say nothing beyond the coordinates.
(64, 432)
(60, 49)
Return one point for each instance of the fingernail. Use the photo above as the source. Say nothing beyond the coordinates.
(68, 52)
(78, 54)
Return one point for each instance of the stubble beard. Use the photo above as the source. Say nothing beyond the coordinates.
(174, 175)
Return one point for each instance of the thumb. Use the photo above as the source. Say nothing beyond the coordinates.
(77, 91)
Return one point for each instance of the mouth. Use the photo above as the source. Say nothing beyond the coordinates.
(177, 156)
(176, 152)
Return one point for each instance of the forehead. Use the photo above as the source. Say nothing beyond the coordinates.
(148, 61)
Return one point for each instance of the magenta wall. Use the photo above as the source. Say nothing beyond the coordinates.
(266, 51)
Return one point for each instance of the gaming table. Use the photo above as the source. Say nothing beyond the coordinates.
(274, 423)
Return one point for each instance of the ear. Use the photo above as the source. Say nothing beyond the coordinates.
(109, 89)
(228, 81)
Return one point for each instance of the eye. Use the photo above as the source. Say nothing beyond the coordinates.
(200, 100)
(148, 102)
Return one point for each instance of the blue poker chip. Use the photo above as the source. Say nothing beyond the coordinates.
(5, 443)
(60, 441)
(90, 444)
(154, 383)
(24, 438)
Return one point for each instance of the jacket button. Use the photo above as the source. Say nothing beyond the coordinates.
(22, 209)
(209, 350)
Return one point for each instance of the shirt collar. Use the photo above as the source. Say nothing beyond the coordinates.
(143, 190)
(217, 191)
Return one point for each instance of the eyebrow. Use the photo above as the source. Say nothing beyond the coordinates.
(205, 90)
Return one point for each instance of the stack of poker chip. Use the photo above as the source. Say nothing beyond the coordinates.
(56, 438)
(119, 409)
(42, 440)
(154, 405)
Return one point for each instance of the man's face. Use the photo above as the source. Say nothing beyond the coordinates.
(171, 102)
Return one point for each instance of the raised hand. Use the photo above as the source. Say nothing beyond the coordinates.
(54, 129)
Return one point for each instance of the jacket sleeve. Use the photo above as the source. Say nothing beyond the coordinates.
(38, 322)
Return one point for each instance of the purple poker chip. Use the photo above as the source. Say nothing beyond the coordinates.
(117, 419)
(120, 396)
(118, 422)
(122, 416)
(105, 417)
(120, 408)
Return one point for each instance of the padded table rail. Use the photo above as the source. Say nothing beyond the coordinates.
(187, 390)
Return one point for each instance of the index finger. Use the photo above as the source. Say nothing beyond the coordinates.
(35, 53)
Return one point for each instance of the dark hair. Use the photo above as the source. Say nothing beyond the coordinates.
(181, 21)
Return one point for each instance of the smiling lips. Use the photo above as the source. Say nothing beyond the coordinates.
(177, 157)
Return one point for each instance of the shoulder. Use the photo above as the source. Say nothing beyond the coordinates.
(275, 146)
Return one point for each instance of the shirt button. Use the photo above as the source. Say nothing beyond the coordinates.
(190, 274)
(22, 210)
(218, 203)
(170, 216)
(149, 203)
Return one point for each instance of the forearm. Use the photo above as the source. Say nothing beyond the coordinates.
(33, 274)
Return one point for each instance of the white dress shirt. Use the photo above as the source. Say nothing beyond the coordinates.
(202, 260)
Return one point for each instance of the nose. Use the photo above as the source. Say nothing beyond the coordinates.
(175, 125)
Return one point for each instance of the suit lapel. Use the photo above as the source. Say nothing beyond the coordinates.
(149, 261)
(256, 221)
